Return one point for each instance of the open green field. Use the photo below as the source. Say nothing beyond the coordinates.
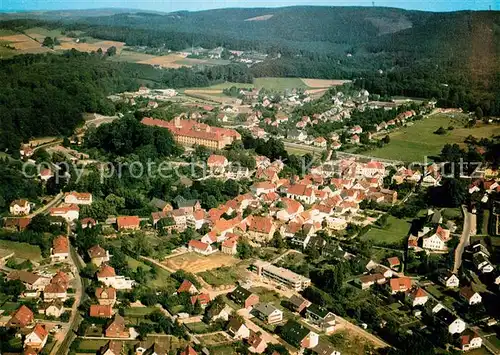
(220, 276)
(280, 84)
(21, 250)
(131, 56)
(139, 311)
(198, 327)
(394, 232)
(418, 141)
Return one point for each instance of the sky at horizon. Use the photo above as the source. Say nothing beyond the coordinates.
(196, 5)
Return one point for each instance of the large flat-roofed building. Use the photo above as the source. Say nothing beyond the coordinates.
(190, 132)
(281, 275)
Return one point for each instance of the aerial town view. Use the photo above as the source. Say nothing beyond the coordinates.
(240, 177)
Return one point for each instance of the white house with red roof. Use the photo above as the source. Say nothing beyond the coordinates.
(60, 249)
(230, 246)
(37, 338)
(400, 284)
(438, 240)
(263, 187)
(217, 163)
(78, 198)
(291, 209)
(320, 142)
(470, 340)
(19, 207)
(200, 247)
(106, 274)
(304, 193)
(354, 139)
(418, 297)
(70, 213)
(187, 286)
(370, 169)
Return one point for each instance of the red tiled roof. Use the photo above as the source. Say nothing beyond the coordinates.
(106, 271)
(127, 221)
(63, 209)
(40, 331)
(23, 315)
(418, 292)
(300, 190)
(60, 245)
(101, 311)
(189, 351)
(204, 298)
(216, 160)
(97, 252)
(400, 284)
(260, 224)
(54, 288)
(196, 244)
(185, 286)
(109, 291)
(393, 261)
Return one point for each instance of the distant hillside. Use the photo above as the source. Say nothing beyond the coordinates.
(453, 57)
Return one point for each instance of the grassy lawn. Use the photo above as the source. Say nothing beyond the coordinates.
(162, 278)
(139, 311)
(415, 142)
(134, 264)
(94, 344)
(22, 250)
(131, 56)
(349, 344)
(452, 213)
(9, 307)
(198, 327)
(220, 276)
(394, 232)
(227, 85)
(223, 350)
(280, 84)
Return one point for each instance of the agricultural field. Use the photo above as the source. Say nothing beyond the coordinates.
(279, 84)
(416, 142)
(323, 83)
(21, 250)
(194, 263)
(131, 56)
(394, 232)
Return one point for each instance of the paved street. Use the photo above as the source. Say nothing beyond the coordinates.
(469, 219)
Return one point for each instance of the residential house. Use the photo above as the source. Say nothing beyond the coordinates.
(320, 142)
(88, 223)
(325, 348)
(394, 263)
(448, 279)
(52, 309)
(60, 249)
(21, 318)
(218, 311)
(298, 304)
(16, 223)
(98, 255)
(369, 280)
(291, 209)
(418, 297)
(187, 286)
(202, 298)
(256, 342)
(260, 228)
(112, 347)
(217, 163)
(128, 223)
(106, 274)
(299, 336)
(400, 284)
(106, 296)
(470, 295)
(304, 193)
(237, 329)
(243, 297)
(54, 291)
(78, 198)
(481, 263)
(188, 351)
(262, 187)
(37, 338)
(437, 241)
(267, 313)
(454, 324)
(161, 205)
(200, 247)
(321, 317)
(19, 207)
(117, 329)
(70, 213)
(470, 340)
(101, 311)
(230, 246)
(31, 281)
(298, 135)
(189, 206)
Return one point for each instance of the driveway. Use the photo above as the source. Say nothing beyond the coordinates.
(269, 338)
